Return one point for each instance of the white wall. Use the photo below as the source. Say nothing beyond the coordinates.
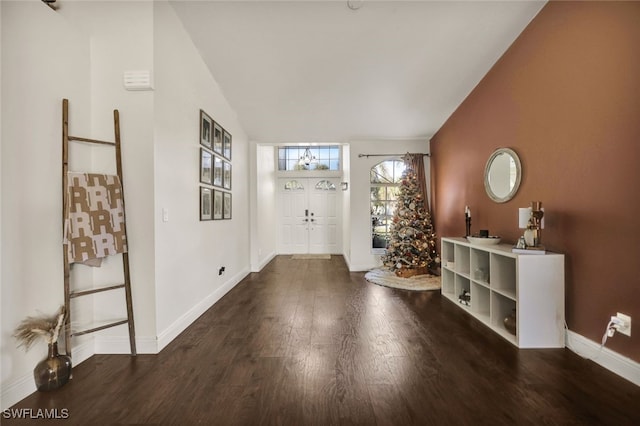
(263, 196)
(189, 252)
(360, 257)
(43, 60)
(121, 38)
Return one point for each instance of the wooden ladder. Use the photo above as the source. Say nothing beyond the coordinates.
(68, 293)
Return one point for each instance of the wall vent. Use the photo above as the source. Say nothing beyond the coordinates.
(137, 80)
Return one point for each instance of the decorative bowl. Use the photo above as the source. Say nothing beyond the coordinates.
(484, 241)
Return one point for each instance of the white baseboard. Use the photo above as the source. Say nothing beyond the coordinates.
(120, 345)
(347, 259)
(264, 263)
(178, 326)
(361, 268)
(612, 361)
(23, 386)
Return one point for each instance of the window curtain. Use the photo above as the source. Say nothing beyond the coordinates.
(416, 163)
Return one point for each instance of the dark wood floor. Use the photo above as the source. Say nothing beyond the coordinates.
(305, 342)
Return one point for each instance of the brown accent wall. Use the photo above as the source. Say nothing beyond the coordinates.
(566, 98)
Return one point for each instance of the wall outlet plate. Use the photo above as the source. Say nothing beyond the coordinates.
(627, 324)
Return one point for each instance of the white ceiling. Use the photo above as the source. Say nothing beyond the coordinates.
(317, 71)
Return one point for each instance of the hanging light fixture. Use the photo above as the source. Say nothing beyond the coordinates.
(308, 158)
(354, 4)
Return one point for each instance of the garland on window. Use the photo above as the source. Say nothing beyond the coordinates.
(412, 242)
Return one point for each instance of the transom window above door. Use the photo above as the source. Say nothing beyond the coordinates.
(296, 158)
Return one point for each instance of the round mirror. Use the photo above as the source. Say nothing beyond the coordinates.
(502, 175)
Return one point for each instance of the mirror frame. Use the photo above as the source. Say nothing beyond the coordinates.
(516, 185)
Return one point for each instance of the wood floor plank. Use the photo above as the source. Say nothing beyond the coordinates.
(306, 342)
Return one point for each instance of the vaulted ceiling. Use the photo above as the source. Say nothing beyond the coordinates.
(319, 71)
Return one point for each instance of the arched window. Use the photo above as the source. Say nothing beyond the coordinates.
(385, 184)
(293, 185)
(325, 185)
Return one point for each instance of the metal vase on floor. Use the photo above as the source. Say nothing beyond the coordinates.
(52, 372)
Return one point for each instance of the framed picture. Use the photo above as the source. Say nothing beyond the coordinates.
(226, 145)
(217, 171)
(217, 205)
(226, 177)
(205, 166)
(217, 138)
(205, 203)
(226, 205)
(206, 124)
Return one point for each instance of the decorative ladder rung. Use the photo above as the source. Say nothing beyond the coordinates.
(77, 139)
(94, 290)
(102, 327)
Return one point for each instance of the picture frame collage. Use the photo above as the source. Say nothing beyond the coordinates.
(215, 170)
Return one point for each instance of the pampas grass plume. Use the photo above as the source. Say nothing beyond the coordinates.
(41, 326)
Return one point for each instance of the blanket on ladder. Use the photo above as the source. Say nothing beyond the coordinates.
(94, 218)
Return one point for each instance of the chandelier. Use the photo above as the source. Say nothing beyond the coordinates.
(307, 158)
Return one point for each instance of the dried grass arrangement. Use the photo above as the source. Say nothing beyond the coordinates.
(42, 326)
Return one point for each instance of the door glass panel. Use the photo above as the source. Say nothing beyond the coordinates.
(326, 185)
(293, 185)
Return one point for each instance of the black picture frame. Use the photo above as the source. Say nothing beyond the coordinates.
(218, 172)
(217, 204)
(206, 174)
(226, 205)
(226, 175)
(217, 138)
(206, 200)
(226, 145)
(206, 128)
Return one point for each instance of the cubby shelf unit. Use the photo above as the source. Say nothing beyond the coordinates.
(500, 282)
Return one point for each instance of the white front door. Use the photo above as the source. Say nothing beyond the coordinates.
(309, 219)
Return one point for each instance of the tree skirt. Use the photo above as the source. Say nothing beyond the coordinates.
(388, 278)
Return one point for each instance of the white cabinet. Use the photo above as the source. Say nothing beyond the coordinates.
(500, 282)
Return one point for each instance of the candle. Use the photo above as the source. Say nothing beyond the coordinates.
(523, 217)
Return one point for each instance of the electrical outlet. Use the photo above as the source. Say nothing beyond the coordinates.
(626, 327)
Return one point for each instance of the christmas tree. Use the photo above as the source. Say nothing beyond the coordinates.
(412, 247)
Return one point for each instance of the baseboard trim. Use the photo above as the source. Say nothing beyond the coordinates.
(24, 385)
(264, 263)
(120, 345)
(360, 268)
(178, 326)
(612, 361)
(347, 259)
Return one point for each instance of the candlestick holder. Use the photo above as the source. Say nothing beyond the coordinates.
(533, 234)
(467, 221)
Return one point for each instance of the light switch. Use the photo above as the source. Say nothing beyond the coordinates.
(165, 215)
